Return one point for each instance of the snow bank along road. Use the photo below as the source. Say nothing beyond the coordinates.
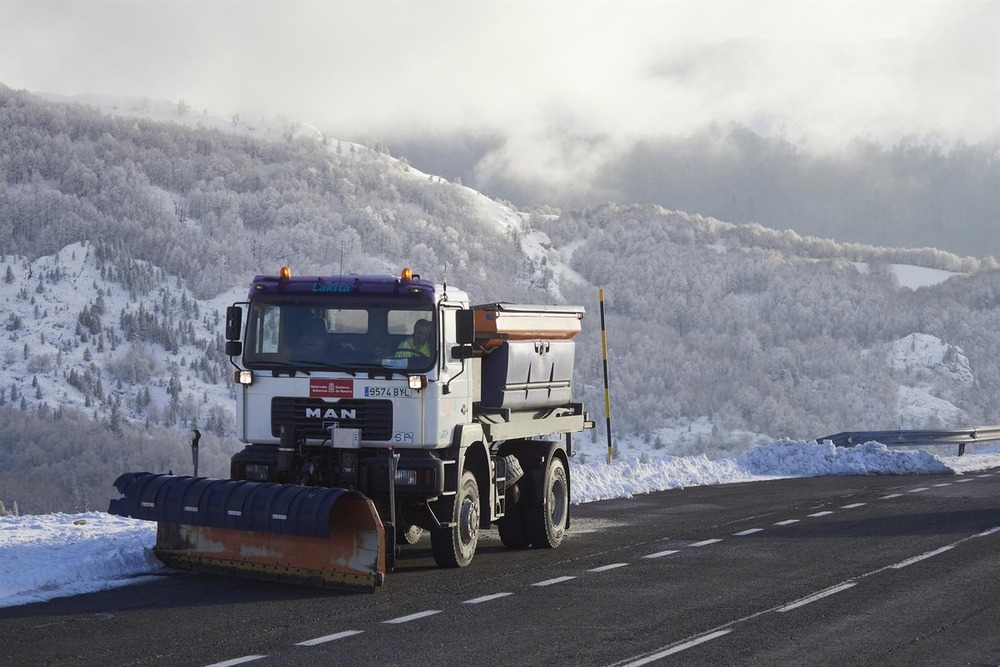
(830, 570)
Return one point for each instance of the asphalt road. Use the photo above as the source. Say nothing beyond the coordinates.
(822, 571)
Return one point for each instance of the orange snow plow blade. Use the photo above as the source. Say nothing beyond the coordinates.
(329, 538)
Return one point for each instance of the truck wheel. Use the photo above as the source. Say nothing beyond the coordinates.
(455, 546)
(546, 517)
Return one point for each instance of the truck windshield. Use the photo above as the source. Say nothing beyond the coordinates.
(309, 335)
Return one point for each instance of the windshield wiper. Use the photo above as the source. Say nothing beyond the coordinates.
(350, 369)
(276, 367)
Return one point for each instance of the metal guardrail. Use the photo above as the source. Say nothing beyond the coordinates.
(958, 436)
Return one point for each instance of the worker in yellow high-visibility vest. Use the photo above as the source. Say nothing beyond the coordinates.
(417, 345)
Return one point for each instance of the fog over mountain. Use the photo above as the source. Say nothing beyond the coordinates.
(875, 122)
(915, 192)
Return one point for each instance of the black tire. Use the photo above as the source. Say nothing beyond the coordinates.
(455, 546)
(547, 515)
(511, 527)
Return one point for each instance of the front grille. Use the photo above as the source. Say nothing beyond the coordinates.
(311, 417)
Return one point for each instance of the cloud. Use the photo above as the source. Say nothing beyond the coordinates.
(536, 72)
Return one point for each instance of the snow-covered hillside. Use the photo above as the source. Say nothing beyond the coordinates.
(912, 277)
(924, 364)
(60, 353)
(77, 337)
(722, 337)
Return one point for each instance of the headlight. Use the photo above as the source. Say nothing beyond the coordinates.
(256, 472)
(406, 477)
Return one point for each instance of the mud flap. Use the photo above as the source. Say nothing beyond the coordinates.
(329, 538)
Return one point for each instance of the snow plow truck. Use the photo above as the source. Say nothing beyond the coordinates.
(372, 409)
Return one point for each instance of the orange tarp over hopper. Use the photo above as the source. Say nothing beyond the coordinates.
(499, 322)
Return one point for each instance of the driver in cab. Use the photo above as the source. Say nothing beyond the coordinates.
(419, 344)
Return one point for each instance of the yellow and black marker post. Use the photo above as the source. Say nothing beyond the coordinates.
(607, 394)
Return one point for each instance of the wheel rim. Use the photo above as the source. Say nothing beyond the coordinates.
(468, 520)
(557, 501)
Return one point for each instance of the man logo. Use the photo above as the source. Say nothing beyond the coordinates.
(332, 413)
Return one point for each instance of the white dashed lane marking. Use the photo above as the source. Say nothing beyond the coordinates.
(748, 531)
(549, 582)
(852, 506)
(786, 522)
(705, 543)
(413, 617)
(824, 513)
(487, 598)
(605, 568)
(330, 638)
(660, 554)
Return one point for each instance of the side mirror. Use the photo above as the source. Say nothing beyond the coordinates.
(234, 323)
(465, 327)
(234, 348)
(462, 352)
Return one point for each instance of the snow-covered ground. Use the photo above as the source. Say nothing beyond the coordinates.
(912, 277)
(58, 555)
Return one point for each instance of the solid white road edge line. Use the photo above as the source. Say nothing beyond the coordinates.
(237, 661)
(917, 559)
(817, 596)
(677, 649)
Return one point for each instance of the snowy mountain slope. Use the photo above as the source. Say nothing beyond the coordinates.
(550, 265)
(929, 371)
(926, 356)
(181, 113)
(58, 350)
(724, 336)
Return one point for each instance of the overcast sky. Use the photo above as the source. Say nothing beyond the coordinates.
(811, 70)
